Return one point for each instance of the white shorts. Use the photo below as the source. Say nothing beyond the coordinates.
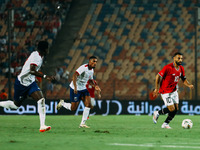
(170, 98)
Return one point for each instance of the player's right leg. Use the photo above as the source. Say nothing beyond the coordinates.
(156, 114)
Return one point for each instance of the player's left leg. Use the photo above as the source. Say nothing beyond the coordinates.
(19, 95)
(37, 95)
(172, 114)
(172, 108)
(74, 101)
(8, 104)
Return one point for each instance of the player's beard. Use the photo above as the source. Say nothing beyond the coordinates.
(93, 66)
(178, 63)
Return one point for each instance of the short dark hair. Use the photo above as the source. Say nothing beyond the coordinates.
(43, 45)
(92, 57)
(177, 53)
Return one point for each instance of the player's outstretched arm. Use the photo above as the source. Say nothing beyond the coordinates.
(157, 82)
(186, 83)
(33, 71)
(74, 78)
(99, 94)
(94, 84)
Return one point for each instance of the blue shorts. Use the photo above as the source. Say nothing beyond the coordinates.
(22, 91)
(77, 97)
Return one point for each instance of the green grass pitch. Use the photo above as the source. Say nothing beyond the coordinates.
(122, 132)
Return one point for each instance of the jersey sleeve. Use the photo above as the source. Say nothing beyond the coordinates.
(35, 59)
(183, 77)
(163, 71)
(81, 69)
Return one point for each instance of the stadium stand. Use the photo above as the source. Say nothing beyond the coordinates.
(33, 21)
(133, 40)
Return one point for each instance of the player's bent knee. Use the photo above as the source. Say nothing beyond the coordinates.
(73, 108)
(171, 109)
(89, 105)
(41, 101)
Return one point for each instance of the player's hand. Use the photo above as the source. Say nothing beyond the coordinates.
(155, 92)
(99, 96)
(51, 78)
(97, 88)
(75, 91)
(191, 86)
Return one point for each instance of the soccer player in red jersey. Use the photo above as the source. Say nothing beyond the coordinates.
(168, 79)
(91, 89)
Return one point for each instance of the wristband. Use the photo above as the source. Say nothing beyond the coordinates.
(44, 76)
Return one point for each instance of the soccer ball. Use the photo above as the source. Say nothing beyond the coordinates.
(187, 124)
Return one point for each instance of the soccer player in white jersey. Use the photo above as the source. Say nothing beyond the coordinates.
(25, 84)
(78, 90)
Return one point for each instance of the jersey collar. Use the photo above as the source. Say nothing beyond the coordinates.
(175, 67)
(40, 54)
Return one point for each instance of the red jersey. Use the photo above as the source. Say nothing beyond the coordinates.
(91, 89)
(170, 77)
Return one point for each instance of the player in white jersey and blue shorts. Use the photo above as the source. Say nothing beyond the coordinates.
(25, 84)
(78, 90)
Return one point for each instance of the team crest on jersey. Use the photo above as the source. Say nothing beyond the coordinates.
(75, 98)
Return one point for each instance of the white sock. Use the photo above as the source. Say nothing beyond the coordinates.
(93, 102)
(42, 111)
(8, 104)
(67, 105)
(85, 115)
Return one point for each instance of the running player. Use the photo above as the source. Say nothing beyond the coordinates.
(168, 79)
(25, 84)
(78, 90)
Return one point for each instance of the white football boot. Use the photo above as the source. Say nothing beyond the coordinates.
(83, 126)
(165, 126)
(45, 128)
(155, 116)
(60, 104)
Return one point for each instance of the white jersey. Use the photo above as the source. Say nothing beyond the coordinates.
(25, 77)
(84, 75)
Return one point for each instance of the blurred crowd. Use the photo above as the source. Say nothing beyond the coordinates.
(34, 20)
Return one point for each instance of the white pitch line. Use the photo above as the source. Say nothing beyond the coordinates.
(153, 145)
(178, 146)
(141, 145)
